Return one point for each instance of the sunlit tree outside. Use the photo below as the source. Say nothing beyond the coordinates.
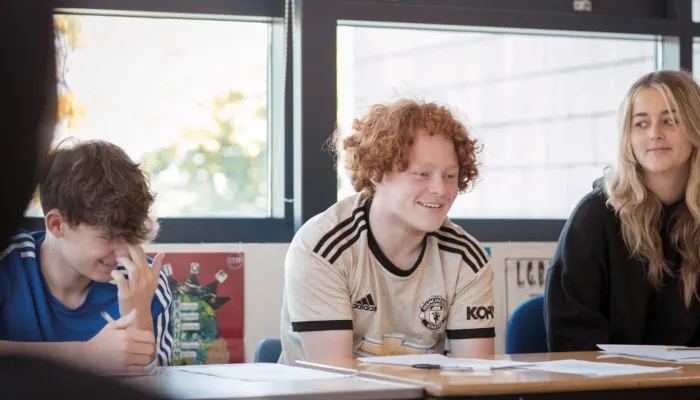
(185, 98)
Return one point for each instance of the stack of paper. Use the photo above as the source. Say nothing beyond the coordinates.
(440, 361)
(666, 353)
(595, 369)
(588, 368)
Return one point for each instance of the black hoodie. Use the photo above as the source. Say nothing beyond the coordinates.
(596, 293)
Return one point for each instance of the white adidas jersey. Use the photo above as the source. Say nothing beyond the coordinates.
(337, 278)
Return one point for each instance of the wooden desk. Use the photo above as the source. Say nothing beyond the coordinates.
(175, 383)
(525, 384)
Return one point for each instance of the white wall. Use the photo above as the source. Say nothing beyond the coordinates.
(264, 281)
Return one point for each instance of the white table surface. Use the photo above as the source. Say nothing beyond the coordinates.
(199, 383)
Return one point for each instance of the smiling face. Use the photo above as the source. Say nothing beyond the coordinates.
(422, 195)
(88, 250)
(658, 139)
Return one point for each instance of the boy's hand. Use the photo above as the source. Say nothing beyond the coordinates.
(118, 349)
(137, 291)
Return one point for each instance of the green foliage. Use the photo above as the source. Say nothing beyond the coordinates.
(217, 168)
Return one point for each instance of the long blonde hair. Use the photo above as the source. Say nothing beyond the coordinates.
(638, 209)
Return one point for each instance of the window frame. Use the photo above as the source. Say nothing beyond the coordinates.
(278, 228)
(650, 17)
(309, 90)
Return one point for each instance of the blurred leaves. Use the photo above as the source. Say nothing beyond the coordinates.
(218, 168)
(67, 32)
(221, 168)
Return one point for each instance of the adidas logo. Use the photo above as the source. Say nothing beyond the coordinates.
(366, 303)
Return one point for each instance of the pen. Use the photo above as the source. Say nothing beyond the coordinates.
(426, 366)
(438, 366)
(683, 349)
(107, 316)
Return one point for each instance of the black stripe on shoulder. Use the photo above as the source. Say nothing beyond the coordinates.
(344, 235)
(471, 241)
(348, 244)
(461, 253)
(317, 326)
(337, 228)
(447, 240)
(479, 333)
(468, 242)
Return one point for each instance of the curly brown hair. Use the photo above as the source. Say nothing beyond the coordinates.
(96, 183)
(381, 140)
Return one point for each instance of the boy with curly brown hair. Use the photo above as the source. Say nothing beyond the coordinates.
(82, 290)
(385, 272)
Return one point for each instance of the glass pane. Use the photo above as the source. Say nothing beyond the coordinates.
(696, 58)
(187, 98)
(545, 107)
(696, 10)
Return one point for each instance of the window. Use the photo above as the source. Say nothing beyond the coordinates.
(188, 98)
(696, 59)
(545, 107)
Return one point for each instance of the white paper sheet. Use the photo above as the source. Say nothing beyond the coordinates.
(608, 356)
(442, 361)
(261, 372)
(596, 369)
(667, 353)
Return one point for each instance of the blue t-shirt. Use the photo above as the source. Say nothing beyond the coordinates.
(30, 313)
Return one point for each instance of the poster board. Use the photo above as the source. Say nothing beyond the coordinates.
(525, 278)
(207, 307)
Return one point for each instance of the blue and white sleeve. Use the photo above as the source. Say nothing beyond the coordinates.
(161, 322)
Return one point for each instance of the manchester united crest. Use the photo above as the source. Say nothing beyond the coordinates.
(433, 313)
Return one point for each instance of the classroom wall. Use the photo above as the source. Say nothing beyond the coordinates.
(264, 281)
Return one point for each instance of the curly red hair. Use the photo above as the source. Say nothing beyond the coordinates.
(381, 140)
